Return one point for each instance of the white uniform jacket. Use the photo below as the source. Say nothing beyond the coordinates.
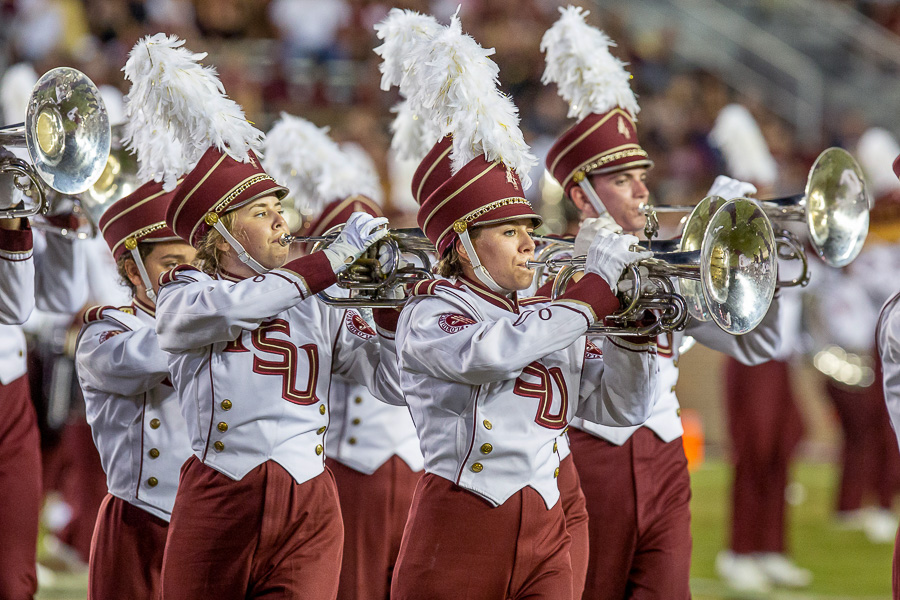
(491, 385)
(888, 342)
(132, 408)
(58, 285)
(758, 346)
(252, 363)
(364, 431)
(16, 276)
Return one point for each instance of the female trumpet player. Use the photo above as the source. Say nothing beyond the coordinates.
(132, 409)
(251, 356)
(492, 380)
(635, 479)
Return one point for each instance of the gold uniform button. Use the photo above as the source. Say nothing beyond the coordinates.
(226, 404)
(321, 409)
(319, 450)
(486, 448)
(219, 446)
(675, 363)
(154, 453)
(358, 400)
(222, 426)
(672, 389)
(152, 482)
(356, 421)
(321, 430)
(21, 353)
(555, 446)
(487, 424)
(352, 441)
(154, 423)
(556, 472)
(478, 467)
(678, 412)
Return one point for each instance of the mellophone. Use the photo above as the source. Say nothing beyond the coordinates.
(725, 262)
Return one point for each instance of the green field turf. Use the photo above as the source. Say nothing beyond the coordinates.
(845, 564)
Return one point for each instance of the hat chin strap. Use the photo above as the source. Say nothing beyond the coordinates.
(480, 272)
(145, 278)
(592, 196)
(243, 255)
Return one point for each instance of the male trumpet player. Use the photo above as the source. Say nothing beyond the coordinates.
(635, 479)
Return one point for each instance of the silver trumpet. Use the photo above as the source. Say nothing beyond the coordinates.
(67, 135)
(729, 278)
(834, 206)
(368, 280)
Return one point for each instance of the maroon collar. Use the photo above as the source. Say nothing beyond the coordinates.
(147, 308)
(223, 274)
(498, 300)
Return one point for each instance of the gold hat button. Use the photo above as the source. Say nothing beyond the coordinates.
(222, 426)
(478, 467)
(319, 450)
(226, 404)
(152, 482)
(154, 453)
(487, 424)
(219, 446)
(486, 448)
(155, 423)
(322, 409)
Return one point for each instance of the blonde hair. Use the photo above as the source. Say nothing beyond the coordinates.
(208, 254)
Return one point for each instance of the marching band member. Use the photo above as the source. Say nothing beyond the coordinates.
(888, 344)
(16, 271)
(132, 409)
(635, 479)
(764, 420)
(251, 354)
(371, 447)
(491, 380)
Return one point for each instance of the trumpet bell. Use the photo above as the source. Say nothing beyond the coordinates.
(692, 239)
(837, 207)
(738, 266)
(67, 130)
(117, 180)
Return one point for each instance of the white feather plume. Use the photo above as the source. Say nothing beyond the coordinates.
(578, 61)
(740, 140)
(361, 169)
(15, 91)
(295, 151)
(402, 32)
(876, 150)
(413, 134)
(171, 91)
(457, 84)
(303, 157)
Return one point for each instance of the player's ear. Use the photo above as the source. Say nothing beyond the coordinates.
(579, 198)
(134, 275)
(461, 251)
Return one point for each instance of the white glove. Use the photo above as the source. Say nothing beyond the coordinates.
(589, 229)
(610, 253)
(728, 188)
(361, 231)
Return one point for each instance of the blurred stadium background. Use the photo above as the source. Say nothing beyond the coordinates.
(814, 73)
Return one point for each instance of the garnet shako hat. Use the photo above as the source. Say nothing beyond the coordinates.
(482, 193)
(339, 211)
(218, 184)
(597, 88)
(138, 217)
(599, 143)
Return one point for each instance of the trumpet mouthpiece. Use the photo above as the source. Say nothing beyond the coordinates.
(285, 239)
